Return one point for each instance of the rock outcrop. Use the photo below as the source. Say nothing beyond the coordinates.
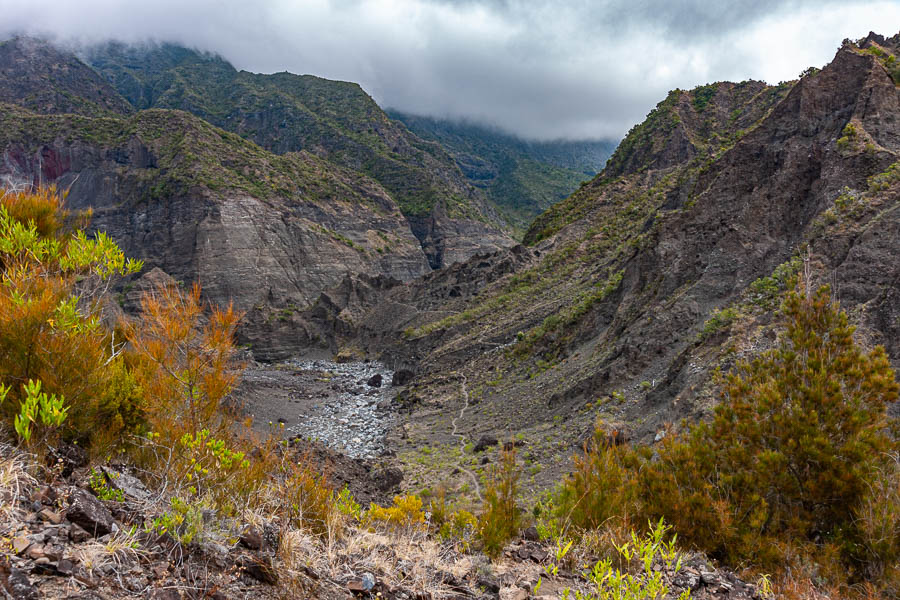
(268, 232)
(335, 120)
(669, 263)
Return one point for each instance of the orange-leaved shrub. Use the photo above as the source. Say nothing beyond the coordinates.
(788, 466)
(183, 357)
(52, 283)
(154, 385)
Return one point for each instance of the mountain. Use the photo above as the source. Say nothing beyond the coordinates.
(335, 120)
(270, 232)
(44, 79)
(665, 267)
(522, 178)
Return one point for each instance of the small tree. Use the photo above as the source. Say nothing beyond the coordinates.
(184, 359)
(601, 486)
(793, 446)
(499, 519)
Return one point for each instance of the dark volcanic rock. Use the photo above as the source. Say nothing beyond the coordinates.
(402, 377)
(258, 567)
(18, 586)
(88, 512)
(485, 442)
(252, 539)
(387, 479)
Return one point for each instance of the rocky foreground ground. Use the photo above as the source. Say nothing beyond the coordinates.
(59, 540)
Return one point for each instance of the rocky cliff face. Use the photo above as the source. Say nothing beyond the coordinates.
(336, 120)
(667, 265)
(269, 232)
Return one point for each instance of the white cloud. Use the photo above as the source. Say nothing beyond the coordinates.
(541, 69)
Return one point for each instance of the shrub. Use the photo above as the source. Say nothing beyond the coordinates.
(499, 519)
(47, 413)
(794, 444)
(642, 554)
(848, 138)
(405, 514)
(789, 467)
(52, 283)
(307, 501)
(767, 291)
(451, 525)
(719, 320)
(601, 486)
(183, 358)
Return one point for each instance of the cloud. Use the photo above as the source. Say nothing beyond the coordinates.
(542, 69)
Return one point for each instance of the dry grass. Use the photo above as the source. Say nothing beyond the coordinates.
(120, 549)
(15, 483)
(413, 561)
(878, 519)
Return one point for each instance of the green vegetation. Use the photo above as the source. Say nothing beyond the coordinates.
(521, 178)
(887, 59)
(563, 322)
(286, 114)
(56, 370)
(701, 96)
(785, 471)
(499, 521)
(766, 292)
(883, 181)
(191, 152)
(37, 410)
(719, 320)
(848, 139)
(648, 552)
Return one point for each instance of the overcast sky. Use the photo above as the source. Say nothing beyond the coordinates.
(542, 69)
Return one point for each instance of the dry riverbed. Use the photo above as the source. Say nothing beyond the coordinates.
(346, 406)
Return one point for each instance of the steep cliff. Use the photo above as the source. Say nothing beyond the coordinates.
(270, 232)
(336, 120)
(666, 266)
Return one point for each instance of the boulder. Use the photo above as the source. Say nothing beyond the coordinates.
(402, 377)
(88, 512)
(485, 442)
(258, 567)
(375, 380)
(387, 478)
(252, 539)
(16, 583)
(130, 486)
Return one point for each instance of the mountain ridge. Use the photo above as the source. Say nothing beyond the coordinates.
(283, 112)
(522, 177)
(665, 267)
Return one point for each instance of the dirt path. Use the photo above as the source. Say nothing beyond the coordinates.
(462, 438)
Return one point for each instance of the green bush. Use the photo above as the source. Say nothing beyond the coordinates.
(646, 582)
(791, 456)
(499, 519)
